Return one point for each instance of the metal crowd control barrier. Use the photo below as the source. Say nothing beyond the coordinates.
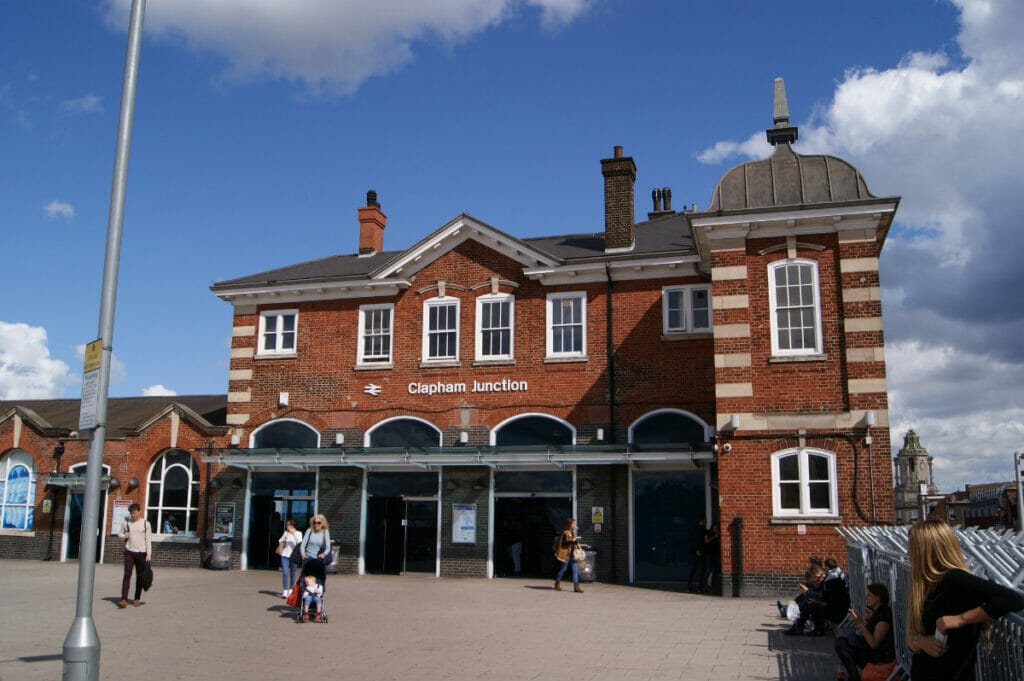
(879, 554)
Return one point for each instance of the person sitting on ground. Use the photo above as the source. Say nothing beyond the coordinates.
(312, 596)
(833, 571)
(873, 641)
(812, 605)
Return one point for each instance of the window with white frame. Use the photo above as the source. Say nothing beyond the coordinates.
(17, 491)
(567, 324)
(795, 307)
(804, 483)
(172, 499)
(278, 330)
(441, 329)
(495, 316)
(686, 309)
(375, 333)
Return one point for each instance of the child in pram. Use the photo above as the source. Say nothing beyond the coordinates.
(312, 581)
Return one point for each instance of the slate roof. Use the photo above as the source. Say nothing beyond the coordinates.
(125, 415)
(665, 234)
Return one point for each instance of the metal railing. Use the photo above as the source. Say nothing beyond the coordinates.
(879, 554)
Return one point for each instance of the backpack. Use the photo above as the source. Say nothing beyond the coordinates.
(555, 543)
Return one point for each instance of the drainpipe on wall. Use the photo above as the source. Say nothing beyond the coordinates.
(610, 351)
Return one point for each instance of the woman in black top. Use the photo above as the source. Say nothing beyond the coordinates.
(873, 642)
(947, 602)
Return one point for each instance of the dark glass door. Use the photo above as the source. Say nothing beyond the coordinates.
(666, 505)
(420, 535)
(76, 511)
(276, 497)
(524, 530)
(384, 535)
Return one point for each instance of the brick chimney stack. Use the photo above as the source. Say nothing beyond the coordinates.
(619, 177)
(371, 226)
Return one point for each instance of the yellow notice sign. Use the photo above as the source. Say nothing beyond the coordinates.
(93, 352)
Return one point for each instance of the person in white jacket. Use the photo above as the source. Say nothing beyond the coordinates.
(138, 552)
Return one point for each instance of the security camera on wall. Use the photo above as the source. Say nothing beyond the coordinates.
(727, 447)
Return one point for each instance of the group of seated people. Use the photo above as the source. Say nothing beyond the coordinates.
(824, 599)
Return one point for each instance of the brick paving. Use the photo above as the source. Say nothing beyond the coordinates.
(202, 624)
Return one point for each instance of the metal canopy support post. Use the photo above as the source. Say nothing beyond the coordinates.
(81, 653)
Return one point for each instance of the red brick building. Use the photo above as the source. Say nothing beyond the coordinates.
(448, 405)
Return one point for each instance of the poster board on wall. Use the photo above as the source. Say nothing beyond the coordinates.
(120, 515)
(463, 523)
(224, 520)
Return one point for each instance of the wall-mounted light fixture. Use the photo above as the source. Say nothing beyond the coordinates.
(282, 399)
(869, 420)
(326, 484)
(339, 439)
(734, 422)
(236, 439)
(479, 485)
(351, 484)
(586, 484)
(216, 483)
(133, 484)
(600, 434)
(463, 437)
(114, 482)
(237, 483)
(451, 485)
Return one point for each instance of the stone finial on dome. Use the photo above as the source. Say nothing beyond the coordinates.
(783, 131)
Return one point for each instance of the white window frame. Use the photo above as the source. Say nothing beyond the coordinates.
(428, 305)
(498, 298)
(16, 460)
(805, 510)
(375, 360)
(556, 299)
(279, 334)
(686, 312)
(182, 514)
(773, 268)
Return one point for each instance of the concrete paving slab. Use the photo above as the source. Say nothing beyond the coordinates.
(203, 624)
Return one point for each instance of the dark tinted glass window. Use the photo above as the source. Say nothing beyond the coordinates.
(405, 433)
(534, 431)
(282, 434)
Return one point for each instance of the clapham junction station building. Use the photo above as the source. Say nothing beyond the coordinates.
(449, 405)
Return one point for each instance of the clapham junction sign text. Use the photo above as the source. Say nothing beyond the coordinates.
(439, 388)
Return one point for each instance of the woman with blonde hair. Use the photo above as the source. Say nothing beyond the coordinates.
(565, 542)
(947, 605)
(316, 543)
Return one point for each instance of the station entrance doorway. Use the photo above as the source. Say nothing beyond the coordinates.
(276, 497)
(75, 512)
(402, 523)
(666, 505)
(530, 509)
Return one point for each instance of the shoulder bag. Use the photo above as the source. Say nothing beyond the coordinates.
(578, 554)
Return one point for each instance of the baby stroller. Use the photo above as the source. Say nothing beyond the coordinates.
(314, 568)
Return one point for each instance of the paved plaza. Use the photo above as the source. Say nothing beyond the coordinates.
(203, 624)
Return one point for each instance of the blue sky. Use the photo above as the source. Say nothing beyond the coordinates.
(257, 134)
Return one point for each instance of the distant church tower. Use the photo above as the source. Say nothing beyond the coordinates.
(913, 469)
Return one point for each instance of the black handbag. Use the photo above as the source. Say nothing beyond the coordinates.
(146, 578)
(296, 557)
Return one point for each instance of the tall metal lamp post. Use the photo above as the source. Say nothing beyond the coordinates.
(81, 652)
(1018, 463)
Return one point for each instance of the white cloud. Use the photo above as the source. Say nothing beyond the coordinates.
(943, 131)
(59, 209)
(158, 389)
(89, 103)
(330, 46)
(27, 372)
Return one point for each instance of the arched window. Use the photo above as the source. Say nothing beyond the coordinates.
(534, 430)
(804, 483)
(173, 499)
(668, 429)
(403, 432)
(285, 433)
(17, 491)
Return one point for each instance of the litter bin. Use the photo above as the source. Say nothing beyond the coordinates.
(589, 573)
(220, 554)
(332, 567)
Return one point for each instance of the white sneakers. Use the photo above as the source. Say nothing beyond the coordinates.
(286, 593)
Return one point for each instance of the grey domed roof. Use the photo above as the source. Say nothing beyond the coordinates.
(787, 178)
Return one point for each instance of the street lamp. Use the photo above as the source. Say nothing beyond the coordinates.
(1018, 462)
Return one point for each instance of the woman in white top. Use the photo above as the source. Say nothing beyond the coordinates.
(288, 542)
(138, 550)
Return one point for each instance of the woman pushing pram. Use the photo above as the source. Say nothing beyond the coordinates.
(316, 555)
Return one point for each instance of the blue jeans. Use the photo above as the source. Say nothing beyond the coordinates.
(575, 571)
(288, 572)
